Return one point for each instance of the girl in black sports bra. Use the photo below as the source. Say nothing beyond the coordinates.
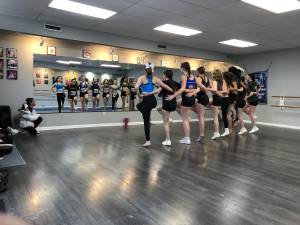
(132, 92)
(124, 91)
(115, 94)
(241, 103)
(72, 94)
(95, 93)
(105, 93)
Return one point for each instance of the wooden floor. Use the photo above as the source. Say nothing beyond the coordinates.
(102, 176)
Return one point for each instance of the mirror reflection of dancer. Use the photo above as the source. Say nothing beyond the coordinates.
(59, 88)
(72, 94)
(189, 88)
(168, 106)
(147, 83)
(218, 89)
(95, 93)
(124, 91)
(105, 93)
(202, 100)
(252, 101)
(115, 94)
(132, 95)
(84, 95)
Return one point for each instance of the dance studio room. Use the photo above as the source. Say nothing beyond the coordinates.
(149, 112)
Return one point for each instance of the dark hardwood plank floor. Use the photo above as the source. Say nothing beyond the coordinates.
(102, 176)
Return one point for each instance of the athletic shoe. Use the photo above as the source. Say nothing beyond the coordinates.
(1, 141)
(216, 135)
(13, 131)
(200, 138)
(243, 131)
(166, 142)
(253, 130)
(147, 144)
(6, 146)
(185, 141)
(226, 133)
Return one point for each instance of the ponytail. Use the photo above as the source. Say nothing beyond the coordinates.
(186, 66)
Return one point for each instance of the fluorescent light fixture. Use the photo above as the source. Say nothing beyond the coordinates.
(110, 65)
(275, 6)
(63, 62)
(68, 62)
(238, 43)
(174, 29)
(82, 9)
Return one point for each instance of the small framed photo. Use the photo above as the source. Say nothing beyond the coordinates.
(38, 81)
(1, 52)
(46, 76)
(37, 75)
(12, 64)
(11, 53)
(46, 82)
(86, 53)
(12, 75)
(115, 58)
(1, 74)
(1, 64)
(164, 63)
(51, 50)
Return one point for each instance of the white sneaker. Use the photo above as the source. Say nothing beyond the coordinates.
(216, 135)
(253, 130)
(243, 131)
(6, 146)
(1, 141)
(147, 144)
(185, 140)
(166, 142)
(226, 133)
(13, 131)
(75, 107)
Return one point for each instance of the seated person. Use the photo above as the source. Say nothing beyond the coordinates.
(29, 118)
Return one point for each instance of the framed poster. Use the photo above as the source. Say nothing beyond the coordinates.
(12, 75)
(38, 81)
(51, 50)
(46, 81)
(12, 64)
(164, 63)
(46, 76)
(115, 57)
(11, 53)
(1, 74)
(37, 75)
(1, 64)
(1, 52)
(86, 53)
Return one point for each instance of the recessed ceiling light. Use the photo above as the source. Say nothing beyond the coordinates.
(276, 6)
(174, 29)
(80, 8)
(238, 43)
(110, 65)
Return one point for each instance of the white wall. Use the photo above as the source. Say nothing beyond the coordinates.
(284, 79)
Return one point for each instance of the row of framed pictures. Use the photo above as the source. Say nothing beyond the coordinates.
(10, 74)
(41, 79)
(10, 64)
(10, 52)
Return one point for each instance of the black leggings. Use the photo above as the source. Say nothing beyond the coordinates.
(60, 100)
(32, 130)
(145, 107)
(114, 100)
(224, 108)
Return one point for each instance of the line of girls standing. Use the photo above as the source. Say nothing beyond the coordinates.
(108, 88)
(231, 93)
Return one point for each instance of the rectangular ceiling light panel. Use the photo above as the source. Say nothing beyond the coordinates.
(238, 43)
(275, 6)
(82, 9)
(174, 29)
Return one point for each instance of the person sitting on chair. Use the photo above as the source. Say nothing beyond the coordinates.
(29, 118)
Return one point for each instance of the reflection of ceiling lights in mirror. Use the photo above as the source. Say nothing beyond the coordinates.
(275, 6)
(110, 65)
(238, 43)
(82, 9)
(105, 76)
(90, 76)
(174, 29)
(68, 62)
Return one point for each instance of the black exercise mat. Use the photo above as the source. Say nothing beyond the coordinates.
(12, 159)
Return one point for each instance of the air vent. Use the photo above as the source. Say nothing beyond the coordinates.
(52, 27)
(161, 46)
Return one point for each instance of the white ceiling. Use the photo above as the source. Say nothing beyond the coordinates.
(218, 19)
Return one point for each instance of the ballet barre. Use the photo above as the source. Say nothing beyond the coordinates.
(282, 102)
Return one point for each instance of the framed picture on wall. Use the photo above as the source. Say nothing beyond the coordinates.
(12, 75)
(115, 57)
(38, 81)
(46, 76)
(12, 64)
(37, 75)
(86, 53)
(1, 64)
(1, 74)
(51, 50)
(11, 53)
(46, 81)
(1, 52)
(164, 63)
